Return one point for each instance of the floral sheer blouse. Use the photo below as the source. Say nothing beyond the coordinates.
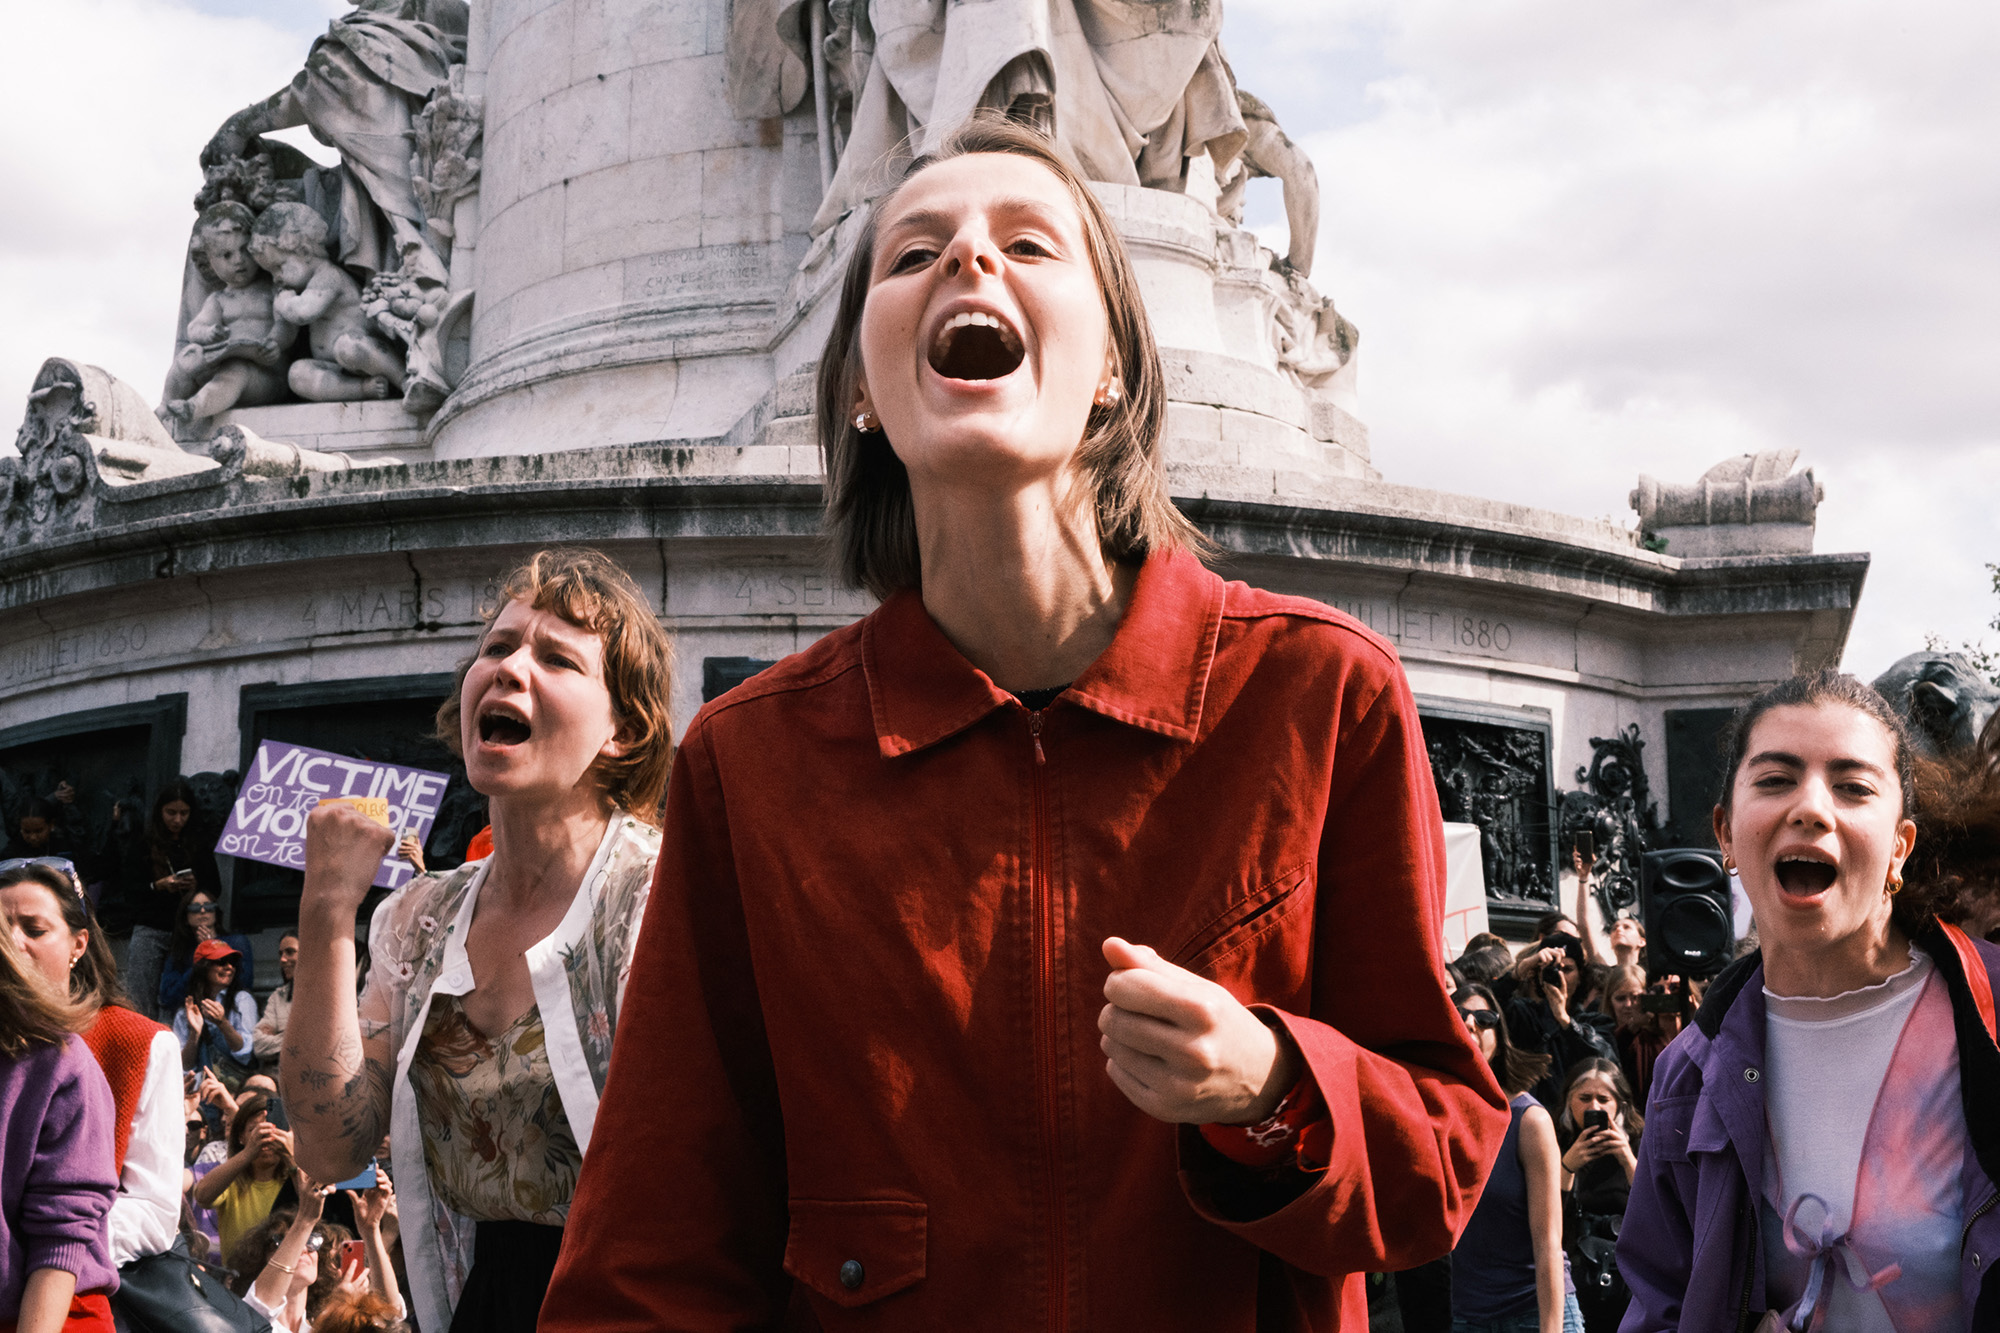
(417, 943)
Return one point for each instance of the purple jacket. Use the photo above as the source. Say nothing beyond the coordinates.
(1690, 1248)
(57, 1176)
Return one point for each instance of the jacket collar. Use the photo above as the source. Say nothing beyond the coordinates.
(1154, 675)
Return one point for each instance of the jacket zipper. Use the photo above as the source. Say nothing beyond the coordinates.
(1965, 1236)
(1746, 1218)
(1045, 1033)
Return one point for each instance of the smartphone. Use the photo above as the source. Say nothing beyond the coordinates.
(190, 1081)
(365, 1181)
(1596, 1120)
(275, 1116)
(353, 1252)
(1586, 847)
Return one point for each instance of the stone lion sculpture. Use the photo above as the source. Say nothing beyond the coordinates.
(1942, 697)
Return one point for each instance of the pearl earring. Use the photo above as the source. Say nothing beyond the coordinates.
(1109, 392)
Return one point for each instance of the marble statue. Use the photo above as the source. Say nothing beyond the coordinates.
(1753, 504)
(349, 360)
(364, 84)
(235, 345)
(1315, 341)
(1130, 88)
(1269, 153)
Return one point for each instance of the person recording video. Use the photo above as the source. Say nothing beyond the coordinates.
(1544, 1018)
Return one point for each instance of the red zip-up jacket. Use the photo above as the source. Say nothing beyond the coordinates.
(857, 1082)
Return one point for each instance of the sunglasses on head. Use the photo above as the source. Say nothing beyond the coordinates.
(62, 864)
(1481, 1018)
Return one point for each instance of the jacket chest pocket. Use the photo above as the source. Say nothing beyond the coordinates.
(1234, 949)
(853, 1252)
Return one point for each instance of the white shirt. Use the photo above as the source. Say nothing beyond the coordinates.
(1826, 1060)
(146, 1215)
(277, 1316)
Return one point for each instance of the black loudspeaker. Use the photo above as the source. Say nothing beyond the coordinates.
(1690, 931)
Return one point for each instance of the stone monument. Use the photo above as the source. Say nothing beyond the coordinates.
(569, 281)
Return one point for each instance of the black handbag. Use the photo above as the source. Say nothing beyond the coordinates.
(171, 1293)
(1601, 1292)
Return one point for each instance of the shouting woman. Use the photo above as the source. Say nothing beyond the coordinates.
(484, 1035)
(1002, 970)
(1822, 1144)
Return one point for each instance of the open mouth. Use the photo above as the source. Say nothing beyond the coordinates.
(975, 345)
(1805, 876)
(498, 726)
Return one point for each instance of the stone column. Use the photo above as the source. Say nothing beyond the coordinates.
(632, 237)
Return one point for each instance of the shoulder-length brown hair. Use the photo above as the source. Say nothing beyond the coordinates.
(31, 1012)
(593, 592)
(870, 521)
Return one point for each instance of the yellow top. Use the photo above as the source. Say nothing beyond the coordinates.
(243, 1203)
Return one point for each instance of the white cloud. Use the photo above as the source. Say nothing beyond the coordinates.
(1584, 241)
(107, 104)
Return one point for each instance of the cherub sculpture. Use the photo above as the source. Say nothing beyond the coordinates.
(348, 360)
(234, 353)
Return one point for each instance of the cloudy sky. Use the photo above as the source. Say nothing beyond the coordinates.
(1583, 240)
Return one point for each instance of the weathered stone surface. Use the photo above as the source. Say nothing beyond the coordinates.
(1749, 505)
(361, 430)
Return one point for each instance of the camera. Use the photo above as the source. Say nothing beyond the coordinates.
(1552, 974)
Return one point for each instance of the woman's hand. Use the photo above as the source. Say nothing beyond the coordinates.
(265, 1135)
(212, 1091)
(344, 849)
(1555, 993)
(412, 851)
(1183, 1049)
(312, 1194)
(1593, 1144)
(192, 1012)
(213, 1011)
(371, 1206)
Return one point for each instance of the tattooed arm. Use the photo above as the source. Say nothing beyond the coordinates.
(336, 1079)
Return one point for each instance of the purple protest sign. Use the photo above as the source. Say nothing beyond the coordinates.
(268, 821)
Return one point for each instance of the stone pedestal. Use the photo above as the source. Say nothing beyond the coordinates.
(633, 237)
(366, 432)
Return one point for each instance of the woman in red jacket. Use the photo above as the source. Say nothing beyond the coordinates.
(1057, 947)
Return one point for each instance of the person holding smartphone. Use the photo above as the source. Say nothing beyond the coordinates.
(1598, 1132)
(168, 862)
(1545, 1016)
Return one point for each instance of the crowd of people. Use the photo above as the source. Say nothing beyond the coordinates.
(924, 993)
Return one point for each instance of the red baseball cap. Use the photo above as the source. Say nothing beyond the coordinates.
(214, 951)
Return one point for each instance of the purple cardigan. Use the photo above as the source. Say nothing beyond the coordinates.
(57, 1173)
(1690, 1248)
